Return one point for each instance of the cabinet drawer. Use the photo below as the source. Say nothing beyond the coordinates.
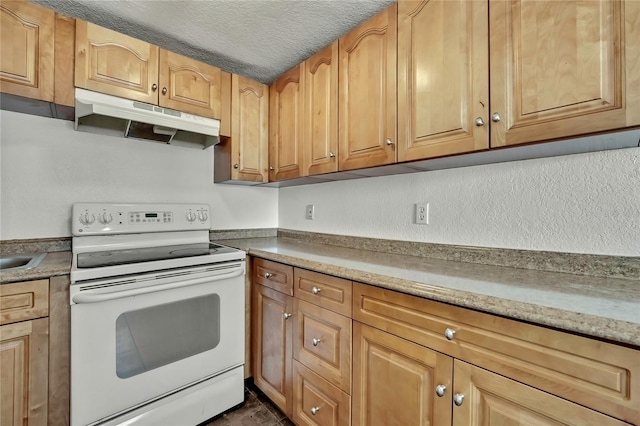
(322, 342)
(312, 394)
(323, 290)
(24, 301)
(273, 275)
(600, 375)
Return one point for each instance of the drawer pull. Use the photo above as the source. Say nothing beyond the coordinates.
(458, 398)
(314, 410)
(316, 341)
(315, 290)
(449, 333)
(287, 315)
(440, 390)
(268, 275)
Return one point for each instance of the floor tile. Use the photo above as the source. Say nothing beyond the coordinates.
(257, 410)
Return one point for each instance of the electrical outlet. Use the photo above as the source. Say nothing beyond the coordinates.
(422, 213)
(310, 212)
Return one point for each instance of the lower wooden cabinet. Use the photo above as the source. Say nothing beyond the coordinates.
(316, 401)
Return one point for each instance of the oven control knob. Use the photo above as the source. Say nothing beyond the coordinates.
(87, 219)
(105, 218)
(202, 215)
(191, 217)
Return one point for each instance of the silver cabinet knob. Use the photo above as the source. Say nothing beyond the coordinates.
(495, 117)
(389, 142)
(440, 390)
(154, 87)
(287, 315)
(449, 333)
(458, 399)
(332, 155)
(315, 290)
(316, 341)
(271, 168)
(164, 90)
(235, 166)
(314, 410)
(479, 122)
(268, 275)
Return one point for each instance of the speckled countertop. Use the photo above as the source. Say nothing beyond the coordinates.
(607, 308)
(54, 264)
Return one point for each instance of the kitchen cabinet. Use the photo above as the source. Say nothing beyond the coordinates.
(285, 126)
(119, 65)
(523, 370)
(367, 90)
(27, 50)
(320, 118)
(24, 353)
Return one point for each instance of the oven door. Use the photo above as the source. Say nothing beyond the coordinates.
(134, 342)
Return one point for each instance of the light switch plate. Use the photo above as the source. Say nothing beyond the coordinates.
(310, 212)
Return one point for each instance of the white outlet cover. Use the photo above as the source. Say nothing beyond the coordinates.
(310, 212)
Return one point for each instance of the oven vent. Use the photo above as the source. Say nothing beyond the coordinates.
(112, 284)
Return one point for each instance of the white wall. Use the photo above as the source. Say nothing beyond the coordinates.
(46, 166)
(586, 203)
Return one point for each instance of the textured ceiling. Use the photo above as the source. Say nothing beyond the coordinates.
(259, 39)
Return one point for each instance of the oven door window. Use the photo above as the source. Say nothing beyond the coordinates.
(159, 335)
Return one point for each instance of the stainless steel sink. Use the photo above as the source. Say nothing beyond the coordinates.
(14, 262)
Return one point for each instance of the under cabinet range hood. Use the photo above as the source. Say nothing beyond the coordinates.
(111, 115)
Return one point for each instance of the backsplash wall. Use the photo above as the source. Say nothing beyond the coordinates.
(585, 203)
(46, 166)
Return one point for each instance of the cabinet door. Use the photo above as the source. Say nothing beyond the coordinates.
(285, 126)
(394, 381)
(320, 139)
(490, 399)
(558, 68)
(249, 129)
(27, 50)
(272, 354)
(442, 78)
(189, 85)
(116, 64)
(23, 363)
(367, 89)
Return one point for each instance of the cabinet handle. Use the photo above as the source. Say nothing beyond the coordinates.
(495, 117)
(287, 315)
(449, 333)
(154, 87)
(389, 142)
(440, 390)
(458, 399)
(332, 155)
(164, 90)
(479, 122)
(314, 410)
(271, 168)
(235, 166)
(316, 341)
(315, 290)
(268, 275)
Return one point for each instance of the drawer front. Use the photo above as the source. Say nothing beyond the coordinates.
(322, 342)
(323, 290)
(24, 301)
(316, 401)
(273, 275)
(600, 375)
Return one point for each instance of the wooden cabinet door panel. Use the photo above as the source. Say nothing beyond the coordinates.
(285, 126)
(116, 64)
(23, 378)
(442, 78)
(367, 90)
(558, 68)
(394, 381)
(320, 138)
(27, 50)
(23, 301)
(249, 130)
(272, 353)
(189, 85)
(491, 399)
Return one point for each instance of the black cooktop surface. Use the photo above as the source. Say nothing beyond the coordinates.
(150, 254)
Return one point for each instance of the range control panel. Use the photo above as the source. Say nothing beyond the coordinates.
(102, 219)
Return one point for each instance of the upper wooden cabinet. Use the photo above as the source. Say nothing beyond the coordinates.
(27, 50)
(561, 69)
(443, 76)
(119, 65)
(320, 119)
(367, 89)
(285, 126)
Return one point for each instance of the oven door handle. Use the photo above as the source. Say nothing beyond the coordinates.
(93, 297)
